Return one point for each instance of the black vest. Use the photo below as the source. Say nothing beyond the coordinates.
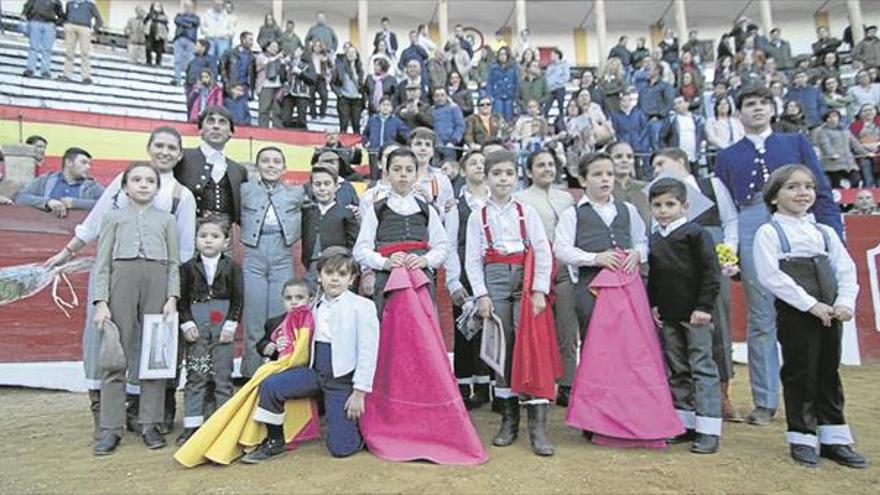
(394, 227)
(710, 217)
(215, 198)
(815, 275)
(594, 236)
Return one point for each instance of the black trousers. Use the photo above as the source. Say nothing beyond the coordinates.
(319, 89)
(288, 105)
(157, 47)
(467, 363)
(811, 383)
(349, 110)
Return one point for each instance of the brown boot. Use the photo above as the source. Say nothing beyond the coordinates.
(95, 408)
(728, 412)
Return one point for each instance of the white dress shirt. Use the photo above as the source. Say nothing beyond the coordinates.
(372, 195)
(364, 251)
(323, 312)
(665, 231)
(687, 135)
(453, 262)
(805, 240)
(210, 265)
(504, 224)
(566, 231)
(216, 159)
(759, 139)
(444, 194)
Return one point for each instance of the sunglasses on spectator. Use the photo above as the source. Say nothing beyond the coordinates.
(485, 104)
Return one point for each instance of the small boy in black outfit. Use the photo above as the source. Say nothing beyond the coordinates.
(210, 307)
(325, 222)
(683, 284)
(294, 294)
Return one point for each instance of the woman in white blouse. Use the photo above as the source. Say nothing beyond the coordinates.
(723, 129)
(165, 148)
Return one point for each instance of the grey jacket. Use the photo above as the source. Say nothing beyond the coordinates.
(837, 147)
(127, 234)
(288, 202)
(38, 192)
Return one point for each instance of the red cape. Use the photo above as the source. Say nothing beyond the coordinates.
(536, 361)
(620, 391)
(415, 410)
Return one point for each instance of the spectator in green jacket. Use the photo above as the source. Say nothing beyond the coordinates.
(532, 87)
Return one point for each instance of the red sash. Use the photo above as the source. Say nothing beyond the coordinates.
(405, 246)
(494, 256)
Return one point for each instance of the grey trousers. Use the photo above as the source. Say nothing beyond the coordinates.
(504, 284)
(566, 319)
(693, 376)
(722, 347)
(269, 108)
(265, 269)
(137, 287)
(207, 360)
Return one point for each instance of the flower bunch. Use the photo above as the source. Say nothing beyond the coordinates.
(728, 259)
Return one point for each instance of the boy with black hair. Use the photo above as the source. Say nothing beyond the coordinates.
(325, 222)
(682, 288)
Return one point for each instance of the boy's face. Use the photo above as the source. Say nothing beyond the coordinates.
(335, 281)
(237, 91)
(210, 240)
(385, 108)
(666, 209)
(450, 169)
(271, 166)
(402, 174)
(599, 181)
(501, 179)
(474, 168)
(664, 164)
(864, 201)
(295, 296)
(423, 149)
(324, 187)
(796, 195)
(681, 105)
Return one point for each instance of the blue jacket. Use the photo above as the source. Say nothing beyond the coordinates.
(656, 99)
(187, 26)
(503, 82)
(632, 128)
(380, 132)
(241, 113)
(735, 165)
(200, 62)
(557, 75)
(669, 132)
(39, 191)
(448, 123)
(413, 52)
(82, 12)
(811, 100)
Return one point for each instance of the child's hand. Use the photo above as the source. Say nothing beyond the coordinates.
(459, 297)
(396, 260)
(539, 302)
(485, 308)
(416, 262)
(269, 349)
(700, 317)
(842, 313)
(631, 261)
(368, 283)
(608, 259)
(226, 336)
(355, 211)
(282, 342)
(102, 313)
(354, 406)
(655, 313)
(169, 308)
(824, 312)
(191, 334)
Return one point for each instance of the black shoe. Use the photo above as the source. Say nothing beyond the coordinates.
(185, 435)
(537, 414)
(688, 436)
(175, 82)
(46, 75)
(28, 73)
(132, 406)
(760, 416)
(563, 393)
(844, 455)
(705, 444)
(107, 443)
(481, 395)
(588, 435)
(497, 405)
(152, 438)
(269, 449)
(509, 422)
(805, 455)
(63, 79)
(87, 80)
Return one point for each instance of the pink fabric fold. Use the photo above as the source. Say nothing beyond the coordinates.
(620, 391)
(415, 411)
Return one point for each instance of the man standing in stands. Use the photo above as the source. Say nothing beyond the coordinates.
(289, 39)
(216, 27)
(321, 31)
(824, 44)
(81, 16)
(185, 37)
(137, 36)
(779, 50)
(239, 65)
(213, 178)
(744, 167)
(42, 16)
(867, 51)
(387, 35)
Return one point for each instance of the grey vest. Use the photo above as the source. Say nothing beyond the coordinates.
(594, 236)
(255, 201)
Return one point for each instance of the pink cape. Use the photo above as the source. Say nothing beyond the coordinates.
(415, 410)
(620, 391)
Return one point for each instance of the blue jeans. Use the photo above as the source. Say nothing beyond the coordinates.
(654, 128)
(183, 55)
(219, 46)
(343, 436)
(503, 107)
(42, 37)
(763, 353)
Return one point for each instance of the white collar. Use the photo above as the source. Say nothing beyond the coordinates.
(509, 204)
(586, 199)
(210, 153)
(325, 208)
(808, 218)
(759, 139)
(330, 301)
(665, 231)
(211, 260)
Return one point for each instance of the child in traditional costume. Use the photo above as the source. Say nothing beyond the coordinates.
(620, 395)
(136, 273)
(415, 410)
(504, 239)
(682, 287)
(810, 273)
(210, 306)
(432, 185)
